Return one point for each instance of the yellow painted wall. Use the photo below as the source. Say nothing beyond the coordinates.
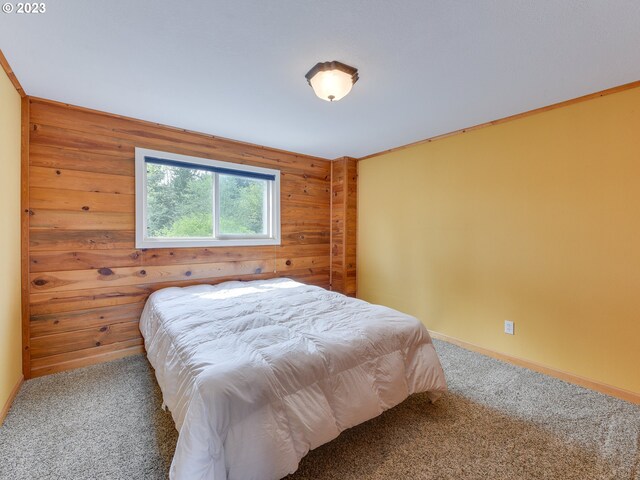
(536, 220)
(10, 323)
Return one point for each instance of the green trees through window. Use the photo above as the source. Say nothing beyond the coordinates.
(180, 203)
(242, 205)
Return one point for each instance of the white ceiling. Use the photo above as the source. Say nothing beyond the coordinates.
(236, 68)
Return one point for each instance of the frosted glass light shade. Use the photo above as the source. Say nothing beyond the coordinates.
(331, 81)
(331, 85)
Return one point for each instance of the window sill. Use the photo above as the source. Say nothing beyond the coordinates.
(231, 242)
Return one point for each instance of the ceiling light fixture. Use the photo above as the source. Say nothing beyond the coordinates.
(331, 80)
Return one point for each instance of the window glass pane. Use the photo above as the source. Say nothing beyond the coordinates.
(179, 202)
(242, 205)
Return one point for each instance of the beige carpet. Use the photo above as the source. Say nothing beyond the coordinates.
(497, 422)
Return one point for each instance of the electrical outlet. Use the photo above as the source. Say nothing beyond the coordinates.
(508, 327)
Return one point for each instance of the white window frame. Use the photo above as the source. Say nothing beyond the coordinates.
(272, 205)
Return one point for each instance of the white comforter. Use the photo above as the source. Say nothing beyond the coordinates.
(258, 373)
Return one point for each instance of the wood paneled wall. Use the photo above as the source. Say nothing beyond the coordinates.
(344, 193)
(87, 281)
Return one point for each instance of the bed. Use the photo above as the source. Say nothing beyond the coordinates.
(257, 373)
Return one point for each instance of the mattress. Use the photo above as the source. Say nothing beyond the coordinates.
(256, 374)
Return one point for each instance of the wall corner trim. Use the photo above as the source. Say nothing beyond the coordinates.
(12, 76)
(600, 387)
(12, 395)
(343, 206)
(25, 214)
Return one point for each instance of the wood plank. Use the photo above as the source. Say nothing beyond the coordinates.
(56, 199)
(82, 220)
(44, 362)
(315, 193)
(50, 324)
(83, 181)
(81, 279)
(84, 198)
(306, 236)
(120, 219)
(84, 358)
(53, 136)
(82, 339)
(182, 256)
(87, 259)
(43, 303)
(291, 223)
(57, 240)
(65, 240)
(301, 214)
(86, 161)
(299, 195)
(68, 301)
(303, 200)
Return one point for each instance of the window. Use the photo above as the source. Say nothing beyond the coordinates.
(184, 201)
